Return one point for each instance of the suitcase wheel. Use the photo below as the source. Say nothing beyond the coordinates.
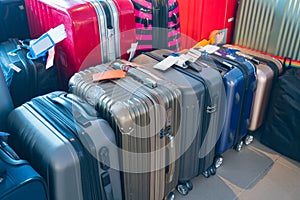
(189, 185)
(218, 161)
(238, 146)
(248, 139)
(213, 170)
(182, 189)
(171, 196)
(206, 173)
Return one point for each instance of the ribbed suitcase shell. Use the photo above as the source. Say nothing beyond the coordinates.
(91, 39)
(268, 69)
(53, 151)
(198, 142)
(239, 100)
(139, 115)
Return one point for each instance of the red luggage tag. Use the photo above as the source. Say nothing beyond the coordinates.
(108, 75)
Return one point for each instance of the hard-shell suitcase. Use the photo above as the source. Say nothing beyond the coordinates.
(240, 82)
(13, 20)
(25, 78)
(18, 180)
(144, 111)
(157, 24)
(97, 31)
(71, 147)
(267, 70)
(6, 104)
(200, 17)
(201, 123)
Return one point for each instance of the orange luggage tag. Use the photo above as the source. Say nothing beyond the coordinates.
(108, 75)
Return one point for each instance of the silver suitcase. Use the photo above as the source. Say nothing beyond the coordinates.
(144, 111)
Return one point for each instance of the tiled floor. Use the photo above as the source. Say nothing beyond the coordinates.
(255, 173)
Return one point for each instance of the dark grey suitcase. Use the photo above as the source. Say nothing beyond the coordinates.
(68, 145)
(144, 111)
(203, 114)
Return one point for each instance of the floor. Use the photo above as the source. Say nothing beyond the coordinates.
(255, 173)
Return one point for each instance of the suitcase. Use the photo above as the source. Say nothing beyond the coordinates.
(18, 180)
(71, 147)
(144, 111)
(6, 104)
(25, 78)
(97, 31)
(199, 18)
(267, 70)
(13, 20)
(280, 131)
(202, 95)
(157, 24)
(239, 79)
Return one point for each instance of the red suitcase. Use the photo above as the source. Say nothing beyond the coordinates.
(200, 17)
(87, 22)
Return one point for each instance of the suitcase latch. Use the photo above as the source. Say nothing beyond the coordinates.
(211, 109)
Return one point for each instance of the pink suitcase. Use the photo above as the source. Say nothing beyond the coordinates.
(267, 71)
(87, 22)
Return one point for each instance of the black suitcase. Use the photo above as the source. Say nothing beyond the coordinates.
(73, 149)
(13, 20)
(18, 180)
(25, 78)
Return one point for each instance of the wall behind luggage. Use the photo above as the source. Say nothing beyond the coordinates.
(271, 26)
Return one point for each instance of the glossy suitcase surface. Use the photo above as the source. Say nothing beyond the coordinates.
(97, 31)
(25, 78)
(6, 104)
(199, 18)
(201, 126)
(18, 180)
(240, 82)
(267, 71)
(74, 150)
(157, 24)
(13, 20)
(144, 111)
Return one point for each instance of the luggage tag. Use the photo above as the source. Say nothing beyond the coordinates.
(210, 48)
(108, 75)
(167, 62)
(40, 46)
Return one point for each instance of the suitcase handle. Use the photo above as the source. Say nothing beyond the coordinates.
(132, 71)
(8, 155)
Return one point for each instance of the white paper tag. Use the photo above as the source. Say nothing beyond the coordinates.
(210, 48)
(194, 55)
(14, 67)
(132, 50)
(182, 59)
(50, 59)
(166, 63)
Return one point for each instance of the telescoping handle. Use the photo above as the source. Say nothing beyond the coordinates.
(135, 73)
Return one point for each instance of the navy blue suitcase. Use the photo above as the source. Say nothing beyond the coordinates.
(18, 180)
(239, 79)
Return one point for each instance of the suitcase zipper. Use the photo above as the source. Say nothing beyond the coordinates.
(207, 101)
(246, 75)
(66, 128)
